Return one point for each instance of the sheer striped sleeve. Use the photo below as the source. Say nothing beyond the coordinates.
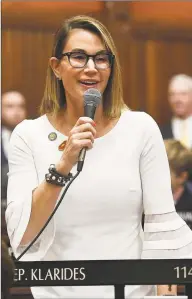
(166, 235)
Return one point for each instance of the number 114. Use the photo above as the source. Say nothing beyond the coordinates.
(183, 272)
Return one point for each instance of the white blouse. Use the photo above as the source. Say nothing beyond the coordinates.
(125, 173)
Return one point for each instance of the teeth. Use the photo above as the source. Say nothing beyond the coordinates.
(88, 82)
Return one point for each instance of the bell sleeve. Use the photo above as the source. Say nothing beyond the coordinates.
(166, 235)
(22, 180)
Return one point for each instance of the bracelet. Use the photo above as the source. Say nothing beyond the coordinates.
(56, 178)
(53, 170)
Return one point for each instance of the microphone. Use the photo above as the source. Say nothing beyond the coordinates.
(92, 98)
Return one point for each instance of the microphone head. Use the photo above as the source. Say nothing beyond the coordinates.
(92, 96)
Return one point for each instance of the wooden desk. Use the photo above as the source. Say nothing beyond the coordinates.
(21, 293)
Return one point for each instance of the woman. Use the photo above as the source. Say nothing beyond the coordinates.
(125, 170)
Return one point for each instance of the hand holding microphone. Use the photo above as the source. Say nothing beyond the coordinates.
(82, 135)
(92, 98)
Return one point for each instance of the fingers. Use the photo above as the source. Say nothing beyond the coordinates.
(83, 124)
(77, 144)
(83, 130)
(77, 141)
(81, 136)
(84, 120)
(73, 148)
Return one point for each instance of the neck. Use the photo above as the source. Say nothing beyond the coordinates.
(68, 116)
(72, 114)
(183, 117)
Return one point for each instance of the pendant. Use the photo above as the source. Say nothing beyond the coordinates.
(62, 145)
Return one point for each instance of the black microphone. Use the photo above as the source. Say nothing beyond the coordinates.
(92, 98)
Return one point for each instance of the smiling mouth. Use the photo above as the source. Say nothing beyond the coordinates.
(89, 83)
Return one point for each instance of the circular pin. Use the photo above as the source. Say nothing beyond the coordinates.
(52, 136)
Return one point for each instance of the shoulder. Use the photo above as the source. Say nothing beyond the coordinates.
(28, 128)
(28, 124)
(143, 129)
(141, 120)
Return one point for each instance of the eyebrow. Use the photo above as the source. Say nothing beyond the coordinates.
(83, 51)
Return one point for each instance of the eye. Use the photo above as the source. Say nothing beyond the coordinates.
(78, 56)
(102, 58)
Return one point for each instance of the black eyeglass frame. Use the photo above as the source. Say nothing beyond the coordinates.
(110, 55)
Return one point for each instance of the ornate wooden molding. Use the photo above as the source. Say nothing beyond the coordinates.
(154, 31)
(44, 15)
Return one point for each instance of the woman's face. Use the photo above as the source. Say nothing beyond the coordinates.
(77, 80)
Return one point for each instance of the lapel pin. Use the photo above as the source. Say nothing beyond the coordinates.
(52, 136)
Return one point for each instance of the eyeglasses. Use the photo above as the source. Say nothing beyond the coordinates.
(79, 60)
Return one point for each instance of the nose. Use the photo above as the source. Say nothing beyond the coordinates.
(90, 65)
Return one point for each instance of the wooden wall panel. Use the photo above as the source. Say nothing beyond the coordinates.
(136, 85)
(151, 73)
(163, 60)
(46, 15)
(25, 59)
(152, 64)
(162, 12)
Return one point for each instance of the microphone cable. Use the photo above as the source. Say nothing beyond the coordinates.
(50, 217)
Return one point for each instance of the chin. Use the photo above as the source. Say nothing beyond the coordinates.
(179, 113)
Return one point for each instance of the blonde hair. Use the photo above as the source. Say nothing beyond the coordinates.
(180, 157)
(54, 94)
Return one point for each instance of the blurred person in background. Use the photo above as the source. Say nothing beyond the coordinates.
(13, 111)
(180, 162)
(180, 101)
